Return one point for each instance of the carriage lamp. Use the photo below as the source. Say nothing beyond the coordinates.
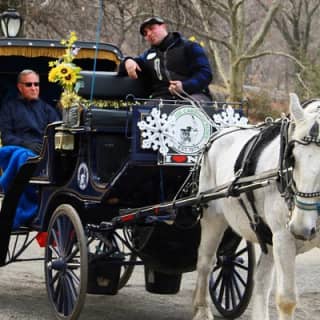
(11, 22)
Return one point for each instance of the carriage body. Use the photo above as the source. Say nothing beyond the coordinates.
(98, 167)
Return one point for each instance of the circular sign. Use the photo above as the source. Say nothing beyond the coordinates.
(83, 176)
(191, 130)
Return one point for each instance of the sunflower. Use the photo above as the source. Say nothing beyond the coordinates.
(69, 79)
(63, 70)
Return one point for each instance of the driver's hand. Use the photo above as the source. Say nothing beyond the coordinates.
(175, 86)
(132, 67)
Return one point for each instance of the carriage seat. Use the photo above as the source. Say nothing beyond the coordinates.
(108, 120)
(109, 85)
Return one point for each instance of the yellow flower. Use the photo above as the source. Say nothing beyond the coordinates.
(69, 78)
(63, 70)
(53, 75)
(69, 99)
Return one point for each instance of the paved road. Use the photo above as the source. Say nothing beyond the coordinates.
(23, 296)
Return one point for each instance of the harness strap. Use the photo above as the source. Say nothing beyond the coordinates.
(261, 230)
(245, 167)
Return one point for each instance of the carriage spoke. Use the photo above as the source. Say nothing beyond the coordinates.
(241, 266)
(236, 286)
(65, 229)
(217, 281)
(235, 291)
(73, 283)
(70, 294)
(70, 237)
(65, 297)
(75, 277)
(54, 278)
(227, 293)
(240, 252)
(58, 296)
(59, 236)
(239, 277)
(55, 242)
(222, 290)
(73, 254)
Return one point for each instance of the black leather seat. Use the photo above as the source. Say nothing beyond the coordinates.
(109, 85)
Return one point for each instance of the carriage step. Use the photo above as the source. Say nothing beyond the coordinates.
(103, 274)
(161, 283)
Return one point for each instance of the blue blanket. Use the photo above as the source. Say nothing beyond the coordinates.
(11, 159)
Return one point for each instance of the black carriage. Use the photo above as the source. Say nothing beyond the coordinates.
(91, 177)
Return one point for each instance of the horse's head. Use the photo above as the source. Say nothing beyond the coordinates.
(304, 142)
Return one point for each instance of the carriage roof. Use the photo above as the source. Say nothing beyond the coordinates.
(17, 54)
(52, 49)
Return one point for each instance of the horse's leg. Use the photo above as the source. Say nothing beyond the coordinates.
(212, 229)
(284, 250)
(262, 286)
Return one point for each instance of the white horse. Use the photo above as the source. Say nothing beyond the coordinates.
(293, 231)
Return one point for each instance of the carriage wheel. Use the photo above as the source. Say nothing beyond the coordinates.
(231, 280)
(127, 269)
(66, 263)
(117, 244)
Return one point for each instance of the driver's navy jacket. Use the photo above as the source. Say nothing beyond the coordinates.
(23, 121)
(174, 59)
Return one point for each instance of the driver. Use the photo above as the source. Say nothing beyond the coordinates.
(172, 64)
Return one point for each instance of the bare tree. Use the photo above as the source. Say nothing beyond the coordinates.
(295, 23)
(234, 41)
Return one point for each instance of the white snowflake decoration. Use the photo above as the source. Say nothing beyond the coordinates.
(229, 117)
(157, 131)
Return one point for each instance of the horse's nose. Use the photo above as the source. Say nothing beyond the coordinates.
(303, 234)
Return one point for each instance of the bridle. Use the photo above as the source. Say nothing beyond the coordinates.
(286, 184)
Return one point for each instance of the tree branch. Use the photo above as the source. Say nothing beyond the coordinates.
(258, 39)
(265, 53)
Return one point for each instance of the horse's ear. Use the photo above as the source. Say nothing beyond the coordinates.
(296, 109)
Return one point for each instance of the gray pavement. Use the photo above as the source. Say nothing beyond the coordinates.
(23, 295)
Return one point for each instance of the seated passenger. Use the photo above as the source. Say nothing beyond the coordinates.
(23, 120)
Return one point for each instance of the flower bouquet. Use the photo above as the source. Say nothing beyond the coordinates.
(67, 74)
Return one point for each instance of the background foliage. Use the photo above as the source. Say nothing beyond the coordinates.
(256, 47)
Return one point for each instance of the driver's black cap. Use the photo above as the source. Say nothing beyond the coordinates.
(150, 21)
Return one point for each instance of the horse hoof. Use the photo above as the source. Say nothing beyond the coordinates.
(203, 313)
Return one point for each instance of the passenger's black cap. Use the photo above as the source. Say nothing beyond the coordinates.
(150, 21)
